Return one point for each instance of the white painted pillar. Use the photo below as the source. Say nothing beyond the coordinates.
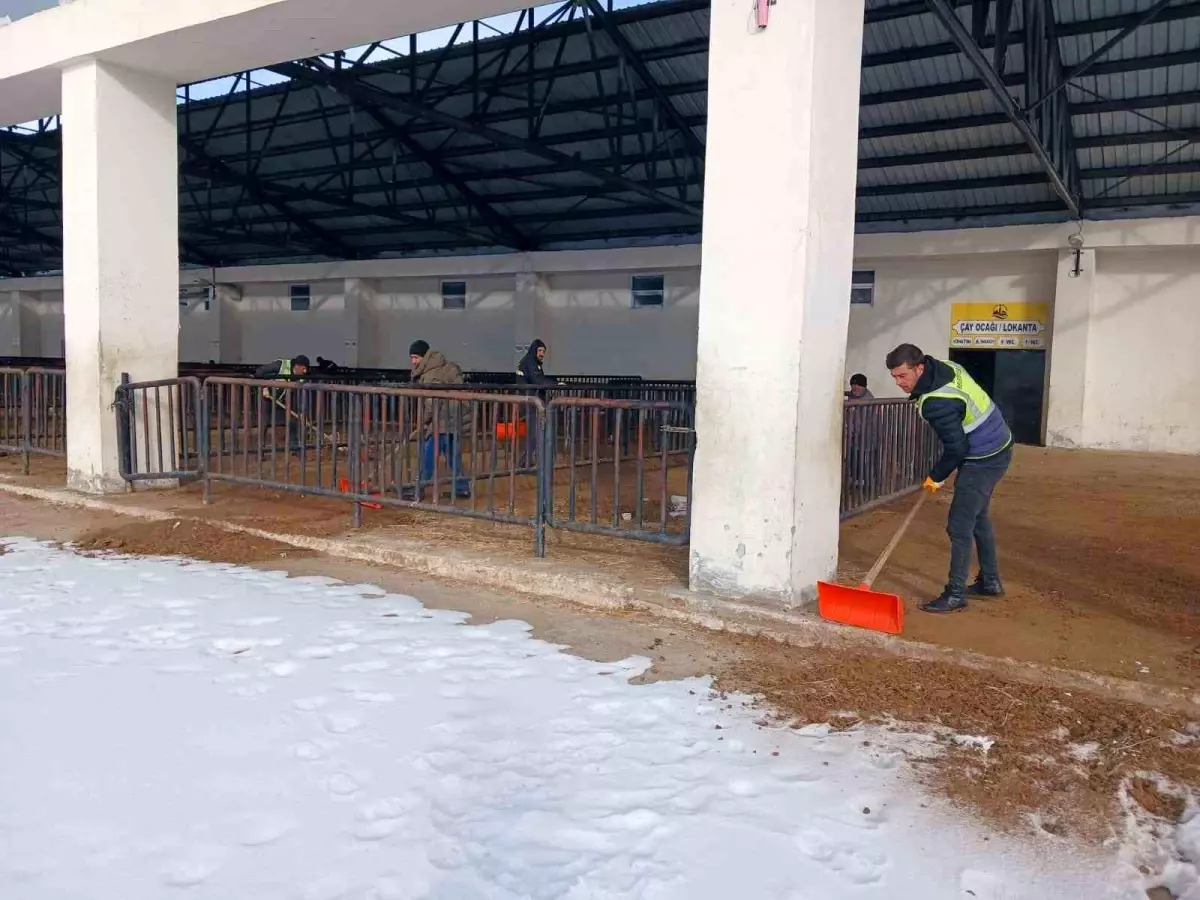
(775, 296)
(359, 294)
(529, 296)
(120, 252)
(1074, 296)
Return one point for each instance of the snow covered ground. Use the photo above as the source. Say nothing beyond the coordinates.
(172, 729)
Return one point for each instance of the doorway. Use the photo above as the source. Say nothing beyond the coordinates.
(1016, 380)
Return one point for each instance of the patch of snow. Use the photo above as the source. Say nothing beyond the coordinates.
(1085, 752)
(280, 747)
(1190, 735)
(980, 742)
(1169, 852)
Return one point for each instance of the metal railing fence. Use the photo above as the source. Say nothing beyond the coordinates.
(545, 459)
(887, 450)
(33, 413)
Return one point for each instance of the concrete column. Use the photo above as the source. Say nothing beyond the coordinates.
(775, 296)
(359, 294)
(528, 297)
(120, 252)
(1074, 295)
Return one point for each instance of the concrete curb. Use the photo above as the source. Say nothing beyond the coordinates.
(580, 586)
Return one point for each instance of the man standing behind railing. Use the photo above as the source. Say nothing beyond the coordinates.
(977, 443)
(858, 388)
(529, 370)
(275, 402)
(860, 456)
(531, 373)
(430, 367)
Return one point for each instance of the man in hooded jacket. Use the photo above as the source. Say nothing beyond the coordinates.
(530, 370)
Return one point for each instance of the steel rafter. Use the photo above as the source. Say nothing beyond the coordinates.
(499, 138)
(578, 111)
(506, 233)
(1048, 134)
(318, 238)
(632, 56)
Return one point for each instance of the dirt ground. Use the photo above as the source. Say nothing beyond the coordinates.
(1097, 549)
(1098, 554)
(1059, 763)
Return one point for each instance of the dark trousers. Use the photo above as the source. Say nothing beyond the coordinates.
(276, 411)
(969, 523)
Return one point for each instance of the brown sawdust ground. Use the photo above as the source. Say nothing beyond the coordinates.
(187, 538)
(1029, 769)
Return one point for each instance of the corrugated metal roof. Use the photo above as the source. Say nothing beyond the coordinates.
(552, 137)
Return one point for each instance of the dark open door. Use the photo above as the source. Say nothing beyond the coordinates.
(1015, 379)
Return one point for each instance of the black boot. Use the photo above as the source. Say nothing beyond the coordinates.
(986, 586)
(949, 601)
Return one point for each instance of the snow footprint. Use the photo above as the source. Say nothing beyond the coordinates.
(194, 867)
(261, 829)
(381, 819)
(366, 667)
(857, 864)
(342, 784)
(340, 722)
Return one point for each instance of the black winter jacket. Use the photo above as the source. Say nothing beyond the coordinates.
(268, 372)
(945, 416)
(530, 368)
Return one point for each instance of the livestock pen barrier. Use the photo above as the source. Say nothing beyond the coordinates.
(887, 450)
(556, 457)
(33, 417)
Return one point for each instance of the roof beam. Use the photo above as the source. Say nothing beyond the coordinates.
(506, 233)
(318, 238)
(995, 83)
(694, 147)
(953, 184)
(1148, 101)
(1145, 18)
(503, 139)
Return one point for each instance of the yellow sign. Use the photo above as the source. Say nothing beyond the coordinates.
(999, 326)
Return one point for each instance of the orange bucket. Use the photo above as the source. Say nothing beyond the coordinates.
(506, 430)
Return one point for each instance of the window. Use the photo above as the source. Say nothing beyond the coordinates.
(454, 295)
(301, 297)
(862, 287)
(646, 291)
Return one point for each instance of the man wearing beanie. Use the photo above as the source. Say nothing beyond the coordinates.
(430, 367)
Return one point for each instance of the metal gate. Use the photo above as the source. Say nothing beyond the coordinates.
(161, 433)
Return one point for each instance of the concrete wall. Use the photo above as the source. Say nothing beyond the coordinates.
(1143, 371)
(403, 310)
(588, 320)
(913, 298)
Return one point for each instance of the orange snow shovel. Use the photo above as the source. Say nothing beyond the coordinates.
(862, 606)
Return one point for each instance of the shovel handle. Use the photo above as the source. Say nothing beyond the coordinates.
(887, 551)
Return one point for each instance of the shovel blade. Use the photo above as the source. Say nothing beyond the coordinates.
(860, 607)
